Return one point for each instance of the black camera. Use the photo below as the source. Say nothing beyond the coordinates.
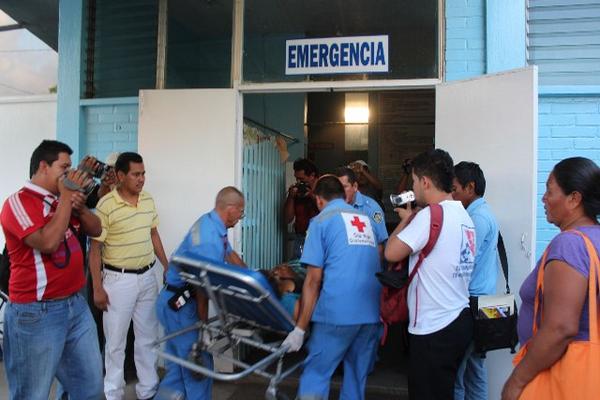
(98, 172)
(303, 188)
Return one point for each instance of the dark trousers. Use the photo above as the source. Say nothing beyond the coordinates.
(434, 359)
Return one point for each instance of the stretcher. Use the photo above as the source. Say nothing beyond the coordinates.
(242, 300)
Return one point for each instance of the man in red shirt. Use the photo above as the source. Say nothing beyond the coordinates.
(300, 204)
(48, 328)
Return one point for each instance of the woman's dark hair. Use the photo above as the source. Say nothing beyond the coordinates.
(329, 187)
(466, 171)
(579, 174)
(123, 161)
(438, 166)
(47, 151)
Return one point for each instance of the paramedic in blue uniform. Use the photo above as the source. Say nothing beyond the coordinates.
(369, 206)
(340, 296)
(363, 203)
(208, 238)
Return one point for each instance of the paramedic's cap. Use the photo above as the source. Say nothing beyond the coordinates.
(361, 162)
(111, 159)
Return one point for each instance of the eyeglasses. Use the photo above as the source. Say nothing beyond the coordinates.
(242, 214)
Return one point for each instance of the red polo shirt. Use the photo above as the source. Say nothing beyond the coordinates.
(36, 276)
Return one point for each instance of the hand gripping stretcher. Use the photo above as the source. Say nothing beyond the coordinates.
(242, 300)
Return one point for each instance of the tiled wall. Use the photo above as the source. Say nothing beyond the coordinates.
(568, 127)
(465, 39)
(110, 126)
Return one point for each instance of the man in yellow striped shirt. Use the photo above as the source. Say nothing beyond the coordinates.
(126, 288)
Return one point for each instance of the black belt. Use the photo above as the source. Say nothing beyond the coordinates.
(130, 271)
(177, 289)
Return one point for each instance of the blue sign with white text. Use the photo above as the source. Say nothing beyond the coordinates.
(338, 55)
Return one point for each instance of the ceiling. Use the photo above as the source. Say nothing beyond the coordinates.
(40, 17)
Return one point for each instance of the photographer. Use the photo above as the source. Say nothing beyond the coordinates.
(48, 328)
(368, 183)
(300, 204)
(440, 323)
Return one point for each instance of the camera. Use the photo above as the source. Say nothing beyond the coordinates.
(100, 169)
(98, 172)
(303, 188)
(398, 200)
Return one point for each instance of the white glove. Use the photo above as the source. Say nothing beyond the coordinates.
(207, 339)
(294, 340)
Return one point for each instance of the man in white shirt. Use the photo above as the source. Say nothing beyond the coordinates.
(440, 323)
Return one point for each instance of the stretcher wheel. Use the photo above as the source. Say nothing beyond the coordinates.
(273, 394)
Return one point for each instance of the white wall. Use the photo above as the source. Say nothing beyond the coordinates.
(492, 120)
(24, 123)
(190, 143)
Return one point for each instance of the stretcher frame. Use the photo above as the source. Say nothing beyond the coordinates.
(226, 286)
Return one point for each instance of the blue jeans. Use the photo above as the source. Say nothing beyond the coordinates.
(179, 382)
(328, 346)
(47, 339)
(471, 378)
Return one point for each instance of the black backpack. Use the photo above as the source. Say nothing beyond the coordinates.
(4, 270)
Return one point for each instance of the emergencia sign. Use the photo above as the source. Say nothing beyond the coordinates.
(337, 55)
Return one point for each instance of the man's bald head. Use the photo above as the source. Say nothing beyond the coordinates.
(228, 196)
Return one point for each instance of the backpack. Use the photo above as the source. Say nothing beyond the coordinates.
(394, 305)
(4, 270)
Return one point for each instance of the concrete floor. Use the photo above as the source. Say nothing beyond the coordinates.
(253, 388)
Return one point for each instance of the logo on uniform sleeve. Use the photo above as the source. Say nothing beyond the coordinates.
(467, 253)
(358, 229)
(377, 217)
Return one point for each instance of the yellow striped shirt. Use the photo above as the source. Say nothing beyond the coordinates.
(126, 230)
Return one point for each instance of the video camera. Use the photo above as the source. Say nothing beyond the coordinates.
(303, 188)
(97, 173)
(399, 200)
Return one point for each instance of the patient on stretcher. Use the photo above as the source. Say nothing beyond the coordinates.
(287, 284)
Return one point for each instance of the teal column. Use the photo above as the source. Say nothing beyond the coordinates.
(69, 117)
(506, 43)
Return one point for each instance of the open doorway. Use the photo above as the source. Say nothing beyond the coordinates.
(333, 129)
(394, 126)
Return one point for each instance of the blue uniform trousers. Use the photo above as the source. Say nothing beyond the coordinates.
(180, 382)
(328, 346)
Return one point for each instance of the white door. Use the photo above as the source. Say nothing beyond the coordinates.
(191, 146)
(492, 120)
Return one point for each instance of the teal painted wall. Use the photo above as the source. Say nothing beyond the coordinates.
(505, 35)
(69, 122)
(568, 126)
(110, 126)
(464, 54)
(563, 41)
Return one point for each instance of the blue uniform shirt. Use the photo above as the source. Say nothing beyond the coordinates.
(207, 237)
(372, 209)
(341, 241)
(485, 270)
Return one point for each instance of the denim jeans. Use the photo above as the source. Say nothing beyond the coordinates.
(52, 338)
(471, 379)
